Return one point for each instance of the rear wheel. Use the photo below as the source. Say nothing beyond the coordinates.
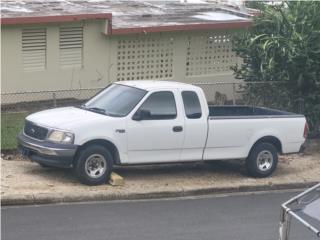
(94, 165)
(262, 160)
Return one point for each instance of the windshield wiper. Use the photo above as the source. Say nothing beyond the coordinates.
(95, 109)
(99, 110)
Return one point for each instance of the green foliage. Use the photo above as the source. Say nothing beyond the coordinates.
(11, 125)
(284, 45)
(255, 4)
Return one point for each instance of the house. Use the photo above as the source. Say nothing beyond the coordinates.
(66, 44)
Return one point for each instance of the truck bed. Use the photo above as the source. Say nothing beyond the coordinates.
(233, 130)
(248, 112)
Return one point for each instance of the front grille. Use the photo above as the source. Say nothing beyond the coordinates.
(34, 131)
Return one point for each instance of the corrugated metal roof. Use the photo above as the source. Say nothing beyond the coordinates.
(129, 16)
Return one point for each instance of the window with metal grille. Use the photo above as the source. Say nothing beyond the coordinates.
(34, 47)
(71, 46)
(209, 53)
(144, 57)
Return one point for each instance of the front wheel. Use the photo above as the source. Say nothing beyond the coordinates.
(94, 165)
(262, 160)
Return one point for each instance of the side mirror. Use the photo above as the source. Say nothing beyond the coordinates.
(141, 115)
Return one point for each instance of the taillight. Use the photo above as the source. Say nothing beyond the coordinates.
(306, 130)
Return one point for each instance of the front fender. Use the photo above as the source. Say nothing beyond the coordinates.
(121, 147)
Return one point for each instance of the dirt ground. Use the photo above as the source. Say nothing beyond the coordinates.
(21, 179)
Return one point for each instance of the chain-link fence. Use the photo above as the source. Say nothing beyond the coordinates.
(264, 94)
(16, 106)
(34, 101)
(219, 93)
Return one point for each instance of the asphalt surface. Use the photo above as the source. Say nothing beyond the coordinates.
(233, 217)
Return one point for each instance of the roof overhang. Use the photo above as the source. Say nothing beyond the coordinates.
(185, 27)
(54, 19)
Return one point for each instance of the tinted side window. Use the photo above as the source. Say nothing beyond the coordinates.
(161, 105)
(191, 104)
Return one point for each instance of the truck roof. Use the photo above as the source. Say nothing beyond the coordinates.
(151, 84)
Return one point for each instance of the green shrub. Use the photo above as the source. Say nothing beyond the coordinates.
(284, 45)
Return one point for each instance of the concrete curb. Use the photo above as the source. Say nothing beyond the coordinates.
(31, 199)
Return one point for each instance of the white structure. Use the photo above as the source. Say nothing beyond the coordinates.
(62, 45)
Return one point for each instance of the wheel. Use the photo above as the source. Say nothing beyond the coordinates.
(93, 165)
(262, 160)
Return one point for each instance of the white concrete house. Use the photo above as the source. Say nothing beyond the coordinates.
(61, 45)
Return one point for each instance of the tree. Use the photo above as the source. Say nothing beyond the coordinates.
(284, 45)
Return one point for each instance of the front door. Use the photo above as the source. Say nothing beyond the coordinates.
(157, 134)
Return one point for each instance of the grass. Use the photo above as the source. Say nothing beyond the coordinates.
(11, 125)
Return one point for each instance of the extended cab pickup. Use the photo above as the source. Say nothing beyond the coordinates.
(143, 122)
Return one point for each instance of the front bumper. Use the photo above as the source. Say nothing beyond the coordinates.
(48, 153)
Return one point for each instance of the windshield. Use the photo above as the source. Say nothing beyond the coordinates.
(116, 100)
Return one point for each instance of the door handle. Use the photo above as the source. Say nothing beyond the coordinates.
(177, 128)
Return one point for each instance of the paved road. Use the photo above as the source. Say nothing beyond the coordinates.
(237, 217)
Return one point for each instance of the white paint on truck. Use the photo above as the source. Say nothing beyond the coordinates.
(172, 136)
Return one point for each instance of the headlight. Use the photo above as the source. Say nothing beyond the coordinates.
(60, 136)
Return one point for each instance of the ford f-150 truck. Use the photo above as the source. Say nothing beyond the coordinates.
(145, 122)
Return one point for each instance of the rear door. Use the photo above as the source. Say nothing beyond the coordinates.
(159, 137)
(195, 127)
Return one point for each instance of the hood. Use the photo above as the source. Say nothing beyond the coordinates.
(64, 118)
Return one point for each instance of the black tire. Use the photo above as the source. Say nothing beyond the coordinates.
(260, 155)
(91, 153)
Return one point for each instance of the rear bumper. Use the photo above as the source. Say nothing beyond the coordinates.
(51, 154)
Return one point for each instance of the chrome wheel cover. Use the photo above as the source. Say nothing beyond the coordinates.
(95, 165)
(265, 160)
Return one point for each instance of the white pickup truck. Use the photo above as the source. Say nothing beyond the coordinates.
(145, 122)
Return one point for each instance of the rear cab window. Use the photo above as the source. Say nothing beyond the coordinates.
(191, 104)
